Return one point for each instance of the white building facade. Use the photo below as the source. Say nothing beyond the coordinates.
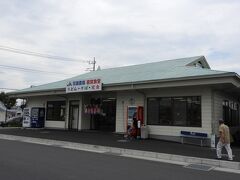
(177, 95)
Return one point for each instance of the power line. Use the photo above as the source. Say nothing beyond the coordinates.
(31, 53)
(9, 88)
(32, 70)
(25, 52)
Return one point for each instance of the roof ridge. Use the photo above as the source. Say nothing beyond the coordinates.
(109, 69)
(178, 59)
(206, 69)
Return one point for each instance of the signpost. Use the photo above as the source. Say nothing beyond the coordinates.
(86, 85)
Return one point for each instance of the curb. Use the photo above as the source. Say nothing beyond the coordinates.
(125, 152)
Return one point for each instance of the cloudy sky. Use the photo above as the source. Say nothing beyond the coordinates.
(117, 33)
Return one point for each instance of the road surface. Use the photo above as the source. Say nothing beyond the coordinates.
(25, 161)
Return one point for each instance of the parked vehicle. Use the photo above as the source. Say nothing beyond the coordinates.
(12, 122)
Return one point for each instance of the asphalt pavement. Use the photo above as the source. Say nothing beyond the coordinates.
(115, 140)
(26, 161)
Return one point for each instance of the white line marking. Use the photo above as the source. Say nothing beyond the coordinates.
(155, 159)
(227, 170)
(83, 149)
(198, 167)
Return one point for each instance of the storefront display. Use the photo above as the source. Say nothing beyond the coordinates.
(94, 108)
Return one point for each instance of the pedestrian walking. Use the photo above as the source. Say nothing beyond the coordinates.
(224, 140)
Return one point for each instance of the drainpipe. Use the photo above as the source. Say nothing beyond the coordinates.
(124, 120)
(213, 135)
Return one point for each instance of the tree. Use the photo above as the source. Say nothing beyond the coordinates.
(7, 101)
(23, 104)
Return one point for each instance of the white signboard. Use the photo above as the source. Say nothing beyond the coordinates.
(84, 85)
(213, 143)
(26, 118)
(26, 121)
(26, 112)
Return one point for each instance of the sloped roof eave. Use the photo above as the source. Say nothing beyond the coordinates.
(227, 74)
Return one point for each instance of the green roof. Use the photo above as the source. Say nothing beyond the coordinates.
(162, 70)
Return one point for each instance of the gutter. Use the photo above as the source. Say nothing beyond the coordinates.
(37, 91)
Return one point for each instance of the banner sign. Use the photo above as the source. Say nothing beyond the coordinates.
(84, 85)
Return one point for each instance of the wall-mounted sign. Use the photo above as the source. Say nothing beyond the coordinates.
(84, 85)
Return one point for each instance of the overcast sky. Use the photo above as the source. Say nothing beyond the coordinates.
(117, 33)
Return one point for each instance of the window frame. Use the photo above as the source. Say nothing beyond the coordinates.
(188, 115)
(231, 113)
(57, 109)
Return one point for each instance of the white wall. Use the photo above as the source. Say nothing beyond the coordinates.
(125, 99)
(128, 98)
(217, 111)
(41, 101)
(123, 102)
(205, 94)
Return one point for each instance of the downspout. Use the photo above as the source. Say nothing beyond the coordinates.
(213, 135)
(213, 113)
(124, 116)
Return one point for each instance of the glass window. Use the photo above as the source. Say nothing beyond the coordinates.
(62, 112)
(56, 110)
(49, 111)
(165, 113)
(231, 113)
(179, 109)
(194, 111)
(153, 113)
(174, 111)
(236, 120)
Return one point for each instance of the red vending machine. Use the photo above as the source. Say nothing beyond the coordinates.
(135, 118)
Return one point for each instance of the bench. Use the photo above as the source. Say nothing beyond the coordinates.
(197, 135)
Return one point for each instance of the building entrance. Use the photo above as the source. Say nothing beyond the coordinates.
(102, 114)
(73, 115)
(107, 120)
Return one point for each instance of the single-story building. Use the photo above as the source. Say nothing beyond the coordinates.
(173, 95)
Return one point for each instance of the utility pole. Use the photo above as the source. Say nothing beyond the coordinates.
(93, 63)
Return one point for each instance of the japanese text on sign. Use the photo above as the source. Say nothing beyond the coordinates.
(84, 85)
